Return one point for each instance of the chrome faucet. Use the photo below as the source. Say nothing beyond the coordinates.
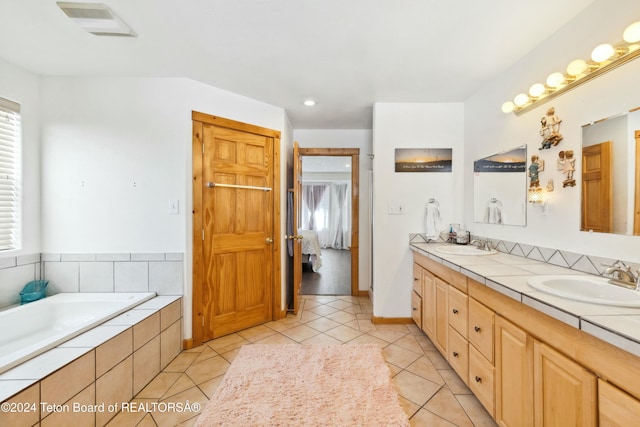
(620, 274)
(481, 244)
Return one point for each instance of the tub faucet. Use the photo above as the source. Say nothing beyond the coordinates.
(620, 274)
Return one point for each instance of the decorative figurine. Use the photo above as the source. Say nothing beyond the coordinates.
(550, 129)
(535, 168)
(567, 164)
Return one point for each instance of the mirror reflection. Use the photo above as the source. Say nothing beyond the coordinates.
(610, 174)
(500, 188)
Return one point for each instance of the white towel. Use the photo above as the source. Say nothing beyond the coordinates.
(494, 214)
(432, 222)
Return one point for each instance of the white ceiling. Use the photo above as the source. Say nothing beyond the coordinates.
(346, 54)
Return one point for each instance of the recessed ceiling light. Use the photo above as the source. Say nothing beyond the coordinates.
(96, 18)
(309, 102)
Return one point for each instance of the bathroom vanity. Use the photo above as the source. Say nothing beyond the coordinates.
(530, 358)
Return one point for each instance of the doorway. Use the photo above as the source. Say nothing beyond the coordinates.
(326, 225)
(329, 218)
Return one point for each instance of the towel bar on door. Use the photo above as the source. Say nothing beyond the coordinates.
(246, 187)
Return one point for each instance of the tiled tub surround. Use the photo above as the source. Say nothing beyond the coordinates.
(15, 272)
(108, 364)
(508, 275)
(161, 273)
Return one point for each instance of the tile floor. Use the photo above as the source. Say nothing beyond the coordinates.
(430, 391)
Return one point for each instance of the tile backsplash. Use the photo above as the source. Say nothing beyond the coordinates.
(583, 263)
(93, 272)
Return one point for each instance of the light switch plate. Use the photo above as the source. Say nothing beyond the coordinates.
(174, 207)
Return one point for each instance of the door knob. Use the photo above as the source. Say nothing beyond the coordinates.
(269, 240)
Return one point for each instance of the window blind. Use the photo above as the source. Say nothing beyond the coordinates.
(9, 173)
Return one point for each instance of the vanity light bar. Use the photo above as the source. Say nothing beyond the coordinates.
(604, 58)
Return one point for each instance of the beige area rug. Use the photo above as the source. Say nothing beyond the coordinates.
(305, 385)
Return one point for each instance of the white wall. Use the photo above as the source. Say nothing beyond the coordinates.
(23, 87)
(116, 150)
(19, 266)
(410, 126)
(488, 130)
(351, 138)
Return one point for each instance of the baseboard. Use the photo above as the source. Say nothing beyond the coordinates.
(363, 293)
(187, 343)
(391, 320)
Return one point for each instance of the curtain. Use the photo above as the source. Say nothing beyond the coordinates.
(330, 216)
(311, 197)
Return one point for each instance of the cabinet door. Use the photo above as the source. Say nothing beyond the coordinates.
(514, 375)
(616, 407)
(442, 319)
(458, 311)
(416, 309)
(429, 304)
(481, 328)
(565, 392)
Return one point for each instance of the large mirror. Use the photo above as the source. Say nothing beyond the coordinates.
(500, 188)
(610, 174)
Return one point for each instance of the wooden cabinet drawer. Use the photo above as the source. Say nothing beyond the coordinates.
(481, 379)
(416, 309)
(481, 321)
(417, 279)
(458, 311)
(459, 354)
(429, 305)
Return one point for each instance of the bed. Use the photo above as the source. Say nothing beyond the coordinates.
(311, 253)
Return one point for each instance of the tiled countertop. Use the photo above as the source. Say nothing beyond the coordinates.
(508, 274)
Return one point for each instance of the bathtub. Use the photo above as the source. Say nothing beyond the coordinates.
(32, 329)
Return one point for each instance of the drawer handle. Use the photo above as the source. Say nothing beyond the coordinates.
(415, 279)
(414, 309)
(476, 328)
(455, 311)
(455, 354)
(478, 379)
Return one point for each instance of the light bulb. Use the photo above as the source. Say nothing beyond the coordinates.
(536, 90)
(632, 33)
(521, 99)
(555, 79)
(602, 53)
(508, 107)
(309, 102)
(577, 67)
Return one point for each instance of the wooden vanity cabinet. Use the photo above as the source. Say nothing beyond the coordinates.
(527, 369)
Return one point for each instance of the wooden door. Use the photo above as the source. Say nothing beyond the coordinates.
(234, 225)
(565, 392)
(514, 375)
(596, 188)
(297, 216)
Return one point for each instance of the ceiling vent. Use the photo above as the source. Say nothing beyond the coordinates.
(96, 18)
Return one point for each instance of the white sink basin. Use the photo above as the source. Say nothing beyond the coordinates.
(587, 289)
(463, 250)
